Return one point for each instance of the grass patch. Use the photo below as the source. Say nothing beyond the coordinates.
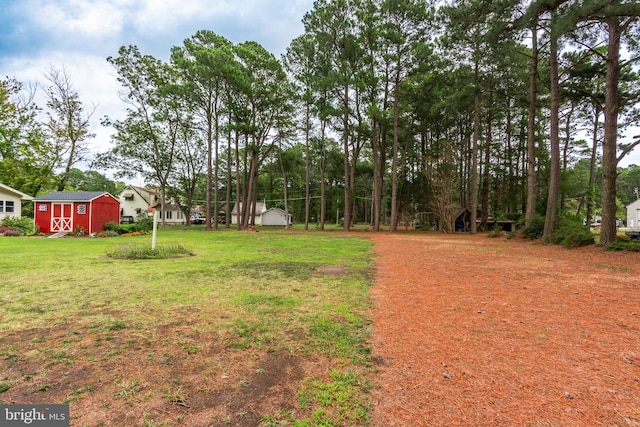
(144, 251)
(337, 401)
(244, 295)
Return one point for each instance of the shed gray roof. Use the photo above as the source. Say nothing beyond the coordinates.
(70, 196)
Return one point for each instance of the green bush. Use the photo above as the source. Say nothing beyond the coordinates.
(496, 231)
(571, 233)
(24, 224)
(144, 222)
(127, 228)
(111, 226)
(624, 244)
(535, 229)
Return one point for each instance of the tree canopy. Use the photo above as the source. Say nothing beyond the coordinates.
(383, 111)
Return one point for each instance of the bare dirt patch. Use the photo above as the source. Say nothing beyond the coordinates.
(173, 376)
(474, 331)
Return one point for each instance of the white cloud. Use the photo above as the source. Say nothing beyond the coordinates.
(80, 34)
(162, 15)
(75, 21)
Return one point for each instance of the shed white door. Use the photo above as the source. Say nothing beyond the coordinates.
(61, 217)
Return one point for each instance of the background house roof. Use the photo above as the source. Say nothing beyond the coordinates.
(70, 196)
(20, 194)
(260, 207)
(278, 210)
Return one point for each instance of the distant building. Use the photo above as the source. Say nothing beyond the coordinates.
(137, 200)
(65, 211)
(11, 201)
(237, 211)
(275, 216)
(633, 215)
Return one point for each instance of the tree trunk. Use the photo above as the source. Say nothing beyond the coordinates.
(323, 163)
(307, 166)
(608, 232)
(209, 178)
(532, 190)
(347, 169)
(227, 216)
(239, 216)
(216, 167)
(377, 189)
(284, 192)
(394, 159)
(592, 166)
(473, 190)
(486, 175)
(554, 181)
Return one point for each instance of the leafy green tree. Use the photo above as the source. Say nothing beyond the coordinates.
(405, 26)
(266, 93)
(146, 141)
(90, 180)
(619, 21)
(334, 26)
(26, 163)
(68, 125)
(205, 61)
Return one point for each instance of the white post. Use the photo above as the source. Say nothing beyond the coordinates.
(155, 229)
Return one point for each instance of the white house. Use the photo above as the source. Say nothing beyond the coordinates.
(11, 201)
(136, 200)
(172, 214)
(275, 216)
(237, 211)
(633, 215)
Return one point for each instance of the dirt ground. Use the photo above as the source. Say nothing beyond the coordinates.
(477, 331)
(467, 331)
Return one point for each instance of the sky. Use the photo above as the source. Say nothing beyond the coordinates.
(78, 36)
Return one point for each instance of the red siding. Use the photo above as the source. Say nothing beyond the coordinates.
(96, 214)
(43, 218)
(81, 219)
(105, 209)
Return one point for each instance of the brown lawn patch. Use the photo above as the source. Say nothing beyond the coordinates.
(473, 331)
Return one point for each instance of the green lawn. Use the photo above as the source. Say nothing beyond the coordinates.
(267, 292)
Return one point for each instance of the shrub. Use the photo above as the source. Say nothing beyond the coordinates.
(496, 231)
(535, 229)
(79, 231)
(10, 231)
(571, 233)
(24, 224)
(624, 244)
(126, 228)
(111, 226)
(144, 222)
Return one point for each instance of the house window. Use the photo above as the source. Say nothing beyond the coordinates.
(138, 211)
(42, 207)
(7, 206)
(128, 197)
(82, 209)
(168, 214)
(179, 215)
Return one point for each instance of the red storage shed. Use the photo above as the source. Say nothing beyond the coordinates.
(66, 211)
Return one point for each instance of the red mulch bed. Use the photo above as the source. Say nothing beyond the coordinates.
(477, 331)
